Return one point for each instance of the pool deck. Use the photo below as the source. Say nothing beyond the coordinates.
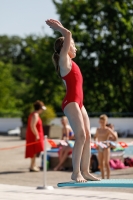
(16, 182)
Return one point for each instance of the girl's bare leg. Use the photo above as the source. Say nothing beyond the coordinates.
(106, 159)
(85, 160)
(61, 153)
(101, 163)
(60, 157)
(32, 165)
(74, 115)
(63, 157)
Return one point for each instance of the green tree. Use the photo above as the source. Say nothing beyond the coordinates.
(103, 33)
(36, 54)
(18, 83)
(8, 92)
(33, 69)
(10, 48)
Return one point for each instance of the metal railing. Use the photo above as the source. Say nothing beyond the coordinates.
(109, 114)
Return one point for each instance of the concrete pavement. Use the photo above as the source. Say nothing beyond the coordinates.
(14, 192)
(16, 182)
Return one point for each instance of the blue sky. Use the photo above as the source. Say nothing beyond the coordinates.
(24, 17)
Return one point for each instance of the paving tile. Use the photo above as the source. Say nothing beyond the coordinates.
(12, 192)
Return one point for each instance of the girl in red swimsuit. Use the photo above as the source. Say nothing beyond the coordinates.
(72, 105)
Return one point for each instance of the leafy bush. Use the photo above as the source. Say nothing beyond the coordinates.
(48, 115)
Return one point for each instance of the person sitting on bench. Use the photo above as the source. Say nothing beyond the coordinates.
(65, 148)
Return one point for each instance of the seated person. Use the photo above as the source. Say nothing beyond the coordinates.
(67, 133)
(63, 154)
(66, 148)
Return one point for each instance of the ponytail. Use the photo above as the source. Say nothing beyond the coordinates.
(55, 59)
(56, 55)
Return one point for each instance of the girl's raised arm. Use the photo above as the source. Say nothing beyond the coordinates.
(57, 26)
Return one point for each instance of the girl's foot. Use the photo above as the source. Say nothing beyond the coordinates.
(59, 168)
(90, 177)
(56, 168)
(34, 169)
(78, 177)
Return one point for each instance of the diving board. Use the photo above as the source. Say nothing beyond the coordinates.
(121, 183)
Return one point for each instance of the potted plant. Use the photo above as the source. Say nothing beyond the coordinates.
(46, 117)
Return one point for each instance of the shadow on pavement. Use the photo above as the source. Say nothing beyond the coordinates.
(12, 172)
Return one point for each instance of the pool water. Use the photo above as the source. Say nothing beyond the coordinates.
(128, 151)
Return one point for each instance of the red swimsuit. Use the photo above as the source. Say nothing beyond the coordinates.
(74, 91)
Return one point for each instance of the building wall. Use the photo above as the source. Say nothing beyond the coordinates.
(121, 124)
(7, 124)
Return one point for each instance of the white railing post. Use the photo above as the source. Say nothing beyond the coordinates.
(45, 161)
(45, 167)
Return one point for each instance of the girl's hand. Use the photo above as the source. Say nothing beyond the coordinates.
(37, 137)
(54, 24)
(57, 22)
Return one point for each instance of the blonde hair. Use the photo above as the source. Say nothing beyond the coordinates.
(56, 55)
(104, 117)
(65, 118)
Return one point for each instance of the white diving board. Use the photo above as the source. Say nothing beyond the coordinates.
(119, 183)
